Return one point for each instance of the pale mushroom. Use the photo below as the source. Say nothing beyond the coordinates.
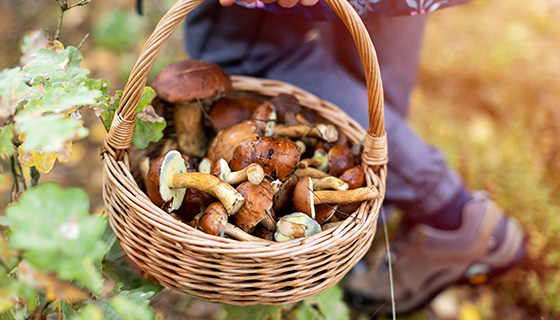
(168, 181)
(305, 198)
(295, 225)
(253, 173)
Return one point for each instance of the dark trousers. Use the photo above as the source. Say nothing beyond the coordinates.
(321, 58)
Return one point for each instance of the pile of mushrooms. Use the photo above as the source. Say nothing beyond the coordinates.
(250, 168)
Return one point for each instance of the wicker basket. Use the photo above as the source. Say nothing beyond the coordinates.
(224, 270)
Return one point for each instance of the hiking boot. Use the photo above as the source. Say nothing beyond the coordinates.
(425, 260)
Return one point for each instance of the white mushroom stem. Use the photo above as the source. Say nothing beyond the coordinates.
(326, 132)
(254, 173)
(348, 196)
(190, 132)
(223, 191)
(319, 160)
(235, 232)
(329, 183)
(302, 146)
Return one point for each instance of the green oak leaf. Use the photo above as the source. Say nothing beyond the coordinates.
(148, 125)
(6, 144)
(328, 304)
(146, 99)
(48, 133)
(146, 132)
(12, 90)
(54, 231)
(60, 100)
(56, 68)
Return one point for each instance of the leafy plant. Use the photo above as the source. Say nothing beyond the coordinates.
(53, 250)
(58, 259)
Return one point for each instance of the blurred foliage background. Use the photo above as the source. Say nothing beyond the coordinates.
(487, 95)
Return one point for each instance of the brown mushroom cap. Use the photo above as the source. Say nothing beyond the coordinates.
(277, 156)
(285, 104)
(324, 212)
(354, 177)
(194, 201)
(224, 143)
(258, 203)
(191, 80)
(265, 118)
(283, 198)
(303, 197)
(229, 111)
(340, 159)
(213, 220)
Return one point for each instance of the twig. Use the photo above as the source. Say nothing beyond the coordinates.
(5, 266)
(35, 175)
(63, 4)
(83, 41)
(15, 184)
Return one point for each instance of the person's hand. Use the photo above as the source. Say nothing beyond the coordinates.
(282, 3)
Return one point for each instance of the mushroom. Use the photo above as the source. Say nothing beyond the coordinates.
(319, 160)
(305, 198)
(323, 131)
(168, 180)
(283, 197)
(354, 177)
(192, 86)
(325, 212)
(265, 118)
(311, 172)
(295, 225)
(214, 220)
(253, 173)
(264, 233)
(205, 165)
(194, 201)
(225, 141)
(329, 183)
(287, 108)
(257, 208)
(340, 159)
(229, 111)
(278, 156)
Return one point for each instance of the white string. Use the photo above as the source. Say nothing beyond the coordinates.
(389, 263)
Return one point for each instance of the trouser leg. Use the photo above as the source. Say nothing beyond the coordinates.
(261, 44)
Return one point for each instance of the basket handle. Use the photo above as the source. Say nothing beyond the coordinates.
(119, 138)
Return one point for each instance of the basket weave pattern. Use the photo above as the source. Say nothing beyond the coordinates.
(229, 271)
